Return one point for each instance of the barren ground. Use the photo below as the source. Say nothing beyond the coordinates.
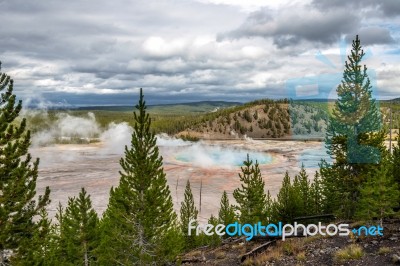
(67, 168)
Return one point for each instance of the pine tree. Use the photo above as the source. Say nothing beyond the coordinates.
(188, 213)
(316, 196)
(269, 209)
(80, 233)
(213, 240)
(396, 160)
(355, 138)
(41, 246)
(18, 176)
(251, 197)
(351, 134)
(287, 204)
(380, 194)
(302, 186)
(226, 214)
(140, 225)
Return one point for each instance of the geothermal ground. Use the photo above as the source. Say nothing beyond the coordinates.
(212, 165)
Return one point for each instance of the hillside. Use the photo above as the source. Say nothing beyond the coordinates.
(314, 250)
(261, 119)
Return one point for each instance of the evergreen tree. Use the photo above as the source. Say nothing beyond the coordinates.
(188, 213)
(287, 204)
(139, 225)
(41, 246)
(269, 209)
(18, 177)
(226, 214)
(251, 197)
(213, 240)
(396, 160)
(302, 186)
(316, 197)
(79, 226)
(355, 138)
(351, 137)
(379, 194)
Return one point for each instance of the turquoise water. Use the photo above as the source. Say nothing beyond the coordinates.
(218, 156)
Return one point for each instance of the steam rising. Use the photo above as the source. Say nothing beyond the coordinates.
(202, 155)
(68, 127)
(113, 139)
(116, 137)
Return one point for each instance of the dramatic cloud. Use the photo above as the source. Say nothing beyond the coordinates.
(373, 35)
(386, 7)
(102, 52)
(290, 25)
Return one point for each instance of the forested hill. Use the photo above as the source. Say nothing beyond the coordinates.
(256, 120)
(260, 119)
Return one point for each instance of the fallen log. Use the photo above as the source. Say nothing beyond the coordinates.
(321, 216)
(191, 260)
(257, 250)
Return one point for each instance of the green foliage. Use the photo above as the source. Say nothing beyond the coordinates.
(140, 216)
(355, 138)
(226, 214)
(354, 135)
(79, 230)
(301, 185)
(213, 240)
(38, 250)
(247, 116)
(300, 198)
(18, 202)
(288, 203)
(255, 116)
(379, 194)
(188, 213)
(189, 137)
(316, 199)
(395, 158)
(250, 197)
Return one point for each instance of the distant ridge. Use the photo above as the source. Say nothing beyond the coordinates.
(192, 107)
(393, 100)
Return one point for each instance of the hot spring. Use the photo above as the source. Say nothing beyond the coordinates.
(217, 156)
(205, 155)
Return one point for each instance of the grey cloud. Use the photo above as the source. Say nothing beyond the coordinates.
(372, 35)
(291, 26)
(84, 51)
(387, 7)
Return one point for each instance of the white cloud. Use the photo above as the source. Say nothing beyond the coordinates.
(180, 49)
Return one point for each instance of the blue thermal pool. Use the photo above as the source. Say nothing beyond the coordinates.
(206, 156)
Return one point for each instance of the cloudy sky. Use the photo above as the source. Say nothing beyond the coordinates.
(101, 52)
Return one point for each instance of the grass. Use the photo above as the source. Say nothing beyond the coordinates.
(289, 247)
(351, 252)
(220, 254)
(383, 250)
(301, 256)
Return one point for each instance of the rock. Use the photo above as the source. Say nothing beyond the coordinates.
(374, 242)
(396, 259)
(322, 251)
(393, 238)
(366, 245)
